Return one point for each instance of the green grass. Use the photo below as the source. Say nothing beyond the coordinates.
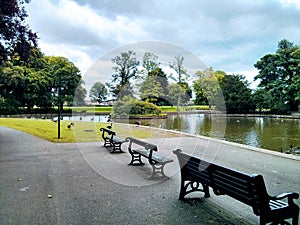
(81, 132)
(92, 109)
(164, 109)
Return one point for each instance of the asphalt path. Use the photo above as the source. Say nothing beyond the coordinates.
(82, 183)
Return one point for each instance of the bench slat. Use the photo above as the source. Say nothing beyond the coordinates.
(249, 189)
(160, 158)
(156, 160)
(117, 140)
(142, 152)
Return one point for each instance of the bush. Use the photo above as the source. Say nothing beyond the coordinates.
(130, 106)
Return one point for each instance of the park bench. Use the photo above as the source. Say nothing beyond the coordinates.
(111, 140)
(149, 151)
(199, 175)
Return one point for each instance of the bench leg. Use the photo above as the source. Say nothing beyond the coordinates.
(136, 160)
(116, 147)
(188, 186)
(158, 171)
(296, 218)
(107, 143)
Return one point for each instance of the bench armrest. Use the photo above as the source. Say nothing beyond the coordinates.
(289, 195)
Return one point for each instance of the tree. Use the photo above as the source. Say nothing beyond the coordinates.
(65, 78)
(187, 92)
(150, 62)
(176, 95)
(154, 87)
(125, 70)
(15, 35)
(98, 92)
(181, 79)
(237, 94)
(80, 95)
(262, 99)
(181, 72)
(207, 88)
(36, 90)
(278, 75)
(12, 87)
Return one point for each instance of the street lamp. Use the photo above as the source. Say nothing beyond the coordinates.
(57, 91)
(58, 112)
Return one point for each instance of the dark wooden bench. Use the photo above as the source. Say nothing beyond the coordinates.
(199, 175)
(149, 151)
(111, 140)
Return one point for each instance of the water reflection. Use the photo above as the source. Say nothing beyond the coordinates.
(268, 133)
(263, 132)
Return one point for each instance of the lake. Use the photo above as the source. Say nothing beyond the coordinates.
(262, 132)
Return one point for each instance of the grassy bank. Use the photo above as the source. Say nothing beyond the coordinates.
(80, 132)
(164, 109)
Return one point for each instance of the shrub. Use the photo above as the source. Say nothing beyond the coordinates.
(130, 106)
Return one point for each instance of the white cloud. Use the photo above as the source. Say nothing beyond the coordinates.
(295, 3)
(229, 35)
(249, 75)
(75, 54)
(69, 17)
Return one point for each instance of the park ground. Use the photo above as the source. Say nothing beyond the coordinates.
(82, 183)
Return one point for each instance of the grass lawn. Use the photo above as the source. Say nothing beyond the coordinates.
(164, 109)
(81, 132)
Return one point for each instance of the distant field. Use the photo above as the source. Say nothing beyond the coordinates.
(164, 109)
(92, 109)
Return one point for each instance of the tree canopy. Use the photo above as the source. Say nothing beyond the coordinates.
(98, 92)
(279, 76)
(125, 70)
(237, 94)
(15, 35)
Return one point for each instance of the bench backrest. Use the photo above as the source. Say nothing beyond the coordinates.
(193, 168)
(108, 131)
(249, 189)
(146, 145)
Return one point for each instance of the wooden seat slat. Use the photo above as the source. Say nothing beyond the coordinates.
(249, 189)
(149, 151)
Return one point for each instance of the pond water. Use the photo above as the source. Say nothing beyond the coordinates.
(262, 132)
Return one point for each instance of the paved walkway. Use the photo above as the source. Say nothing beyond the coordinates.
(48, 183)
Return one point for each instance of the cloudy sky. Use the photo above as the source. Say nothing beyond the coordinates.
(228, 35)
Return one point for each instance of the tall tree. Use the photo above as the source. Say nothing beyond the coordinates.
(176, 95)
(154, 87)
(181, 72)
(278, 75)
(80, 94)
(15, 35)
(12, 85)
(181, 79)
(207, 88)
(65, 78)
(262, 99)
(125, 70)
(98, 92)
(150, 62)
(237, 94)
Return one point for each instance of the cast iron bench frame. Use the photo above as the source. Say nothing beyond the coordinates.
(149, 151)
(111, 140)
(249, 189)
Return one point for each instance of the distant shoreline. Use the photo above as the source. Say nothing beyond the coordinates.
(212, 112)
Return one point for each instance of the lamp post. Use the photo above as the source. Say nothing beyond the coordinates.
(58, 113)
